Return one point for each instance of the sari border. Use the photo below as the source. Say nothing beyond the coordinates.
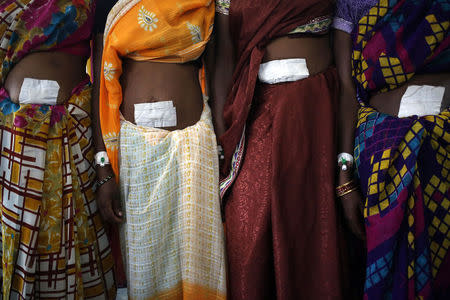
(117, 12)
(236, 161)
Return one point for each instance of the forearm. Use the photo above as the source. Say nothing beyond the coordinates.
(222, 73)
(348, 104)
(99, 144)
(97, 63)
(347, 118)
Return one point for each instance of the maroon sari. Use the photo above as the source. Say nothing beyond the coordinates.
(280, 209)
(253, 24)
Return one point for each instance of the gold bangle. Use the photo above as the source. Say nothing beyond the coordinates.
(346, 188)
(347, 192)
(351, 182)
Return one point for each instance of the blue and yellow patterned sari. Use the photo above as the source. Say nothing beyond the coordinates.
(403, 163)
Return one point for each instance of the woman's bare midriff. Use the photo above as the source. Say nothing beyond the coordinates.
(315, 49)
(66, 69)
(145, 82)
(389, 102)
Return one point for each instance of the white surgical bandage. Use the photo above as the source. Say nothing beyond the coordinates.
(421, 100)
(155, 114)
(37, 91)
(283, 70)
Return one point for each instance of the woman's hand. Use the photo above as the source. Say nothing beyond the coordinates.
(353, 207)
(347, 116)
(108, 197)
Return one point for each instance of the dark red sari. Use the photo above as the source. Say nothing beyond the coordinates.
(280, 209)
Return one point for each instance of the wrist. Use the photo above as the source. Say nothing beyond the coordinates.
(346, 188)
(345, 176)
(104, 171)
(101, 182)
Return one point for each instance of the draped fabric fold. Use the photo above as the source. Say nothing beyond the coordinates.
(280, 216)
(148, 30)
(173, 234)
(252, 25)
(53, 244)
(173, 230)
(403, 163)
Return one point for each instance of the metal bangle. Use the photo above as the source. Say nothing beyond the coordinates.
(345, 161)
(347, 192)
(102, 182)
(346, 187)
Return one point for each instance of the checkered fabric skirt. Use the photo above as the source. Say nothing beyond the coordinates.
(173, 230)
(53, 244)
(404, 167)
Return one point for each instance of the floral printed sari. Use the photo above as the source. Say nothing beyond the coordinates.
(53, 244)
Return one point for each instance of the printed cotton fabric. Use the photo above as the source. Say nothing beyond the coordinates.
(403, 163)
(147, 30)
(397, 39)
(52, 241)
(53, 244)
(173, 230)
(39, 25)
(404, 168)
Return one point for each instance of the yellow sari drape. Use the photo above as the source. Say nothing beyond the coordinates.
(147, 30)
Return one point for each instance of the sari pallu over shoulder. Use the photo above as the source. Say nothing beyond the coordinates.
(147, 30)
(403, 163)
(398, 39)
(263, 21)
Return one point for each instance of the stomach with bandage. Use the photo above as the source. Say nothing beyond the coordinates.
(424, 94)
(161, 95)
(45, 77)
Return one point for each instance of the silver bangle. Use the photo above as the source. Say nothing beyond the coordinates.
(345, 161)
(101, 159)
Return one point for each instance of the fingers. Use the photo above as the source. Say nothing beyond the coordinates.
(105, 201)
(360, 222)
(107, 213)
(352, 210)
(116, 208)
(357, 228)
(109, 203)
(361, 209)
(354, 222)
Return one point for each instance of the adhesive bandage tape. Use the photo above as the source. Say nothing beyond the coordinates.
(421, 100)
(37, 91)
(283, 70)
(155, 114)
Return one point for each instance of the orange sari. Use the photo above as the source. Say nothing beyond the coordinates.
(171, 32)
(160, 31)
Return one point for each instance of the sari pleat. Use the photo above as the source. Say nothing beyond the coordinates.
(53, 241)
